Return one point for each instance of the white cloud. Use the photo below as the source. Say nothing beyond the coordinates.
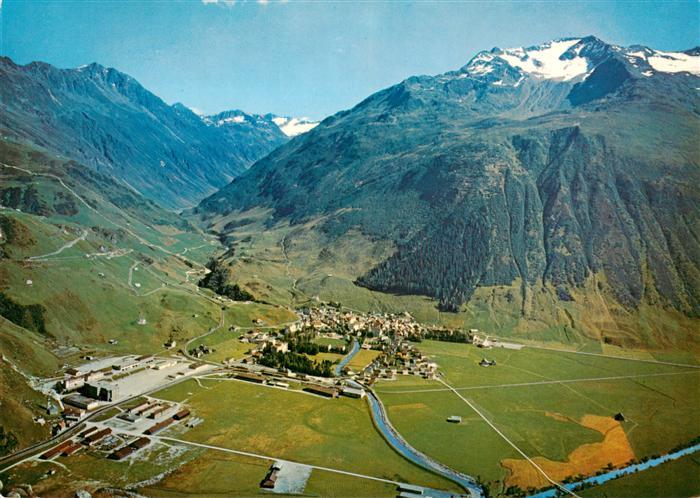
(230, 3)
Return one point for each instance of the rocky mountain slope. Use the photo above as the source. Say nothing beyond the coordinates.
(568, 168)
(106, 120)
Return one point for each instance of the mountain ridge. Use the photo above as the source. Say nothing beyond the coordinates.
(548, 182)
(105, 119)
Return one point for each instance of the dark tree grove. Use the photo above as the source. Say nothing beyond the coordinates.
(296, 362)
(216, 280)
(29, 316)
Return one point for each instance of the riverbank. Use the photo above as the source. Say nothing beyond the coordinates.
(406, 450)
(355, 348)
(614, 474)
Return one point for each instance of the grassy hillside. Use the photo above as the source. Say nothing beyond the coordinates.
(83, 261)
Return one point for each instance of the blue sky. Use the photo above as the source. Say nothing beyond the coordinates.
(310, 58)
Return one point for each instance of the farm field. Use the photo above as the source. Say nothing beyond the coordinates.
(225, 343)
(299, 427)
(567, 427)
(217, 473)
(329, 341)
(319, 357)
(213, 473)
(363, 358)
(244, 314)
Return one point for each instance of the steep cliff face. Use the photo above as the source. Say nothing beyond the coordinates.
(557, 208)
(574, 173)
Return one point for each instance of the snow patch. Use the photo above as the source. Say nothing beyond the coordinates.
(294, 126)
(279, 121)
(675, 62)
(53, 98)
(233, 119)
(639, 55)
(480, 69)
(546, 61)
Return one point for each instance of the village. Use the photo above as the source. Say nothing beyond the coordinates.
(394, 337)
(81, 404)
(390, 344)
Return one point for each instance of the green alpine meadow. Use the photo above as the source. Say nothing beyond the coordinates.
(417, 264)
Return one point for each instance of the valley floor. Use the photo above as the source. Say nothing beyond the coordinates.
(112, 285)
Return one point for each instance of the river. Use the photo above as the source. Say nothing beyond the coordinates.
(614, 474)
(355, 348)
(420, 459)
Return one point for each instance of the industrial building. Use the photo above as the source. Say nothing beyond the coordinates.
(328, 392)
(354, 392)
(81, 402)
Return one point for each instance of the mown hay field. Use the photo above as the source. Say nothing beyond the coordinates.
(557, 407)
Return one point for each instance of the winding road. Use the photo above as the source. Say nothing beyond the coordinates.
(58, 251)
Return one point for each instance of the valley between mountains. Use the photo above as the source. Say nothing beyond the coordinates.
(480, 283)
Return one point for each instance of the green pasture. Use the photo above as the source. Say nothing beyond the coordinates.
(540, 418)
(335, 433)
(362, 358)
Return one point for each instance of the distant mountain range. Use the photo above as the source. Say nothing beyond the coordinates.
(237, 119)
(567, 170)
(108, 121)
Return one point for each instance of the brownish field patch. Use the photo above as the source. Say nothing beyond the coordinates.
(615, 449)
(558, 416)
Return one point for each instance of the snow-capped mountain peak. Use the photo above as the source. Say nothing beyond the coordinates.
(573, 59)
(294, 126)
(665, 62)
(291, 127)
(559, 60)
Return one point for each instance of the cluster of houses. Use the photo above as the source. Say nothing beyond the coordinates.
(378, 328)
(200, 351)
(167, 422)
(94, 382)
(84, 390)
(401, 358)
(85, 439)
(130, 448)
(260, 341)
(313, 385)
(114, 444)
